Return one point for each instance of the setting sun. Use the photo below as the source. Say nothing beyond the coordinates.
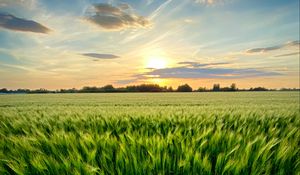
(156, 63)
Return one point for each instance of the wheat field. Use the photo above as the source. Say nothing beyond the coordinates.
(150, 133)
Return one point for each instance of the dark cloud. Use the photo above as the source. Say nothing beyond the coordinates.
(265, 49)
(277, 47)
(11, 22)
(223, 73)
(124, 82)
(196, 64)
(197, 70)
(288, 54)
(100, 56)
(115, 18)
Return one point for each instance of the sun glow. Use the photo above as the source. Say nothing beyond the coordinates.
(156, 63)
(159, 81)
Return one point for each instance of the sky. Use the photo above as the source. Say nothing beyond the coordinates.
(74, 43)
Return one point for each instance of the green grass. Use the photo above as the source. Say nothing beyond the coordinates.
(157, 133)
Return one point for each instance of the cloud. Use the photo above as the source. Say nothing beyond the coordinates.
(288, 54)
(205, 1)
(100, 56)
(11, 22)
(124, 82)
(192, 70)
(19, 3)
(221, 73)
(197, 70)
(124, 6)
(157, 11)
(211, 2)
(115, 18)
(272, 48)
(196, 64)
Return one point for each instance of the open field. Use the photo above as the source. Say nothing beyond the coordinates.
(150, 133)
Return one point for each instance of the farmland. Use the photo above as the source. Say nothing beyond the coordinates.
(150, 133)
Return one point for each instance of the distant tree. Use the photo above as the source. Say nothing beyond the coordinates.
(184, 88)
(131, 88)
(258, 89)
(233, 87)
(201, 89)
(170, 89)
(289, 89)
(149, 88)
(142, 88)
(165, 88)
(22, 91)
(216, 87)
(108, 88)
(3, 90)
(225, 89)
(41, 91)
(121, 89)
(73, 90)
(89, 89)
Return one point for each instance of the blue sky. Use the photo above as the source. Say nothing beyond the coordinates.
(74, 43)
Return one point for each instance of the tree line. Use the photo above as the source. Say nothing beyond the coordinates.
(142, 88)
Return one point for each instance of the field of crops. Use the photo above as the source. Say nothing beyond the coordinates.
(157, 133)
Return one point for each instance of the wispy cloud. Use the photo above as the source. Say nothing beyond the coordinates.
(288, 54)
(28, 4)
(210, 2)
(115, 18)
(205, 1)
(100, 55)
(124, 6)
(11, 22)
(272, 48)
(159, 9)
(196, 64)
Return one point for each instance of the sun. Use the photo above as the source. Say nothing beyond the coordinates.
(156, 62)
